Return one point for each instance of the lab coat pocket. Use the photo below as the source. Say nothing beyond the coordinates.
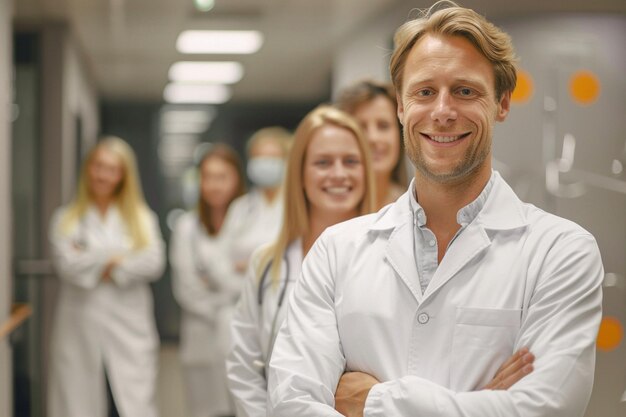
(483, 340)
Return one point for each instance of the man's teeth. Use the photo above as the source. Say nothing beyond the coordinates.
(337, 190)
(444, 139)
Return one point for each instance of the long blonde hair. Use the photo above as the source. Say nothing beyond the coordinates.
(295, 206)
(128, 196)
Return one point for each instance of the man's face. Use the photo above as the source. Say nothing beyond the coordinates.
(447, 106)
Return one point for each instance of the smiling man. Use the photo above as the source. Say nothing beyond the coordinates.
(412, 310)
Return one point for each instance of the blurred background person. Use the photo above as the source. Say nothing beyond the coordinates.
(204, 281)
(255, 218)
(106, 247)
(374, 105)
(329, 180)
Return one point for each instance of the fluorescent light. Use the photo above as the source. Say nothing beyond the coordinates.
(219, 41)
(183, 140)
(225, 72)
(197, 93)
(204, 5)
(183, 128)
(195, 117)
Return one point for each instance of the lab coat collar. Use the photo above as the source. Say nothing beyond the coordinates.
(394, 215)
(92, 214)
(256, 195)
(502, 210)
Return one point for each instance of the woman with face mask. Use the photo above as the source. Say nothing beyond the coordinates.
(374, 105)
(205, 282)
(329, 180)
(255, 218)
(106, 248)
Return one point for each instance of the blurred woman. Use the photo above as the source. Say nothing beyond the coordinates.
(329, 180)
(106, 248)
(205, 282)
(255, 218)
(374, 105)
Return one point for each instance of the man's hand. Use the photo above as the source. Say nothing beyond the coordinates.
(354, 387)
(352, 392)
(515, 368)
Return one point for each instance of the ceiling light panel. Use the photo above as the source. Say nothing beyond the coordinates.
(204, 5)
(219, 41)
(227, 72)
(197, 93)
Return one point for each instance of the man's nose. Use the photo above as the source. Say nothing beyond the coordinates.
(444, 110)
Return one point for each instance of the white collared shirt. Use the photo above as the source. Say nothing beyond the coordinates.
(425, 242)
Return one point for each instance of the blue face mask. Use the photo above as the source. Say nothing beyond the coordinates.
(266, 172)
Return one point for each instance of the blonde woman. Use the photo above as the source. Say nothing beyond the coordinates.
(374, 105)
(329, 180)
(106, 247)
(205, 282)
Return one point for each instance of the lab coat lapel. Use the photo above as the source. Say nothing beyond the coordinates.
(467, 246)
(502, 211)
(396, 220)
(401, 256)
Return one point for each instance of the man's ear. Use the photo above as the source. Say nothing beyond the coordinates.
(504, 105)
(400, 111)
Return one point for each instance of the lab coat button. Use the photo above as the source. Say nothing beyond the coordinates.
(423, 318)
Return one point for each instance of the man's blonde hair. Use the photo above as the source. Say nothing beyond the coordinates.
(453, 20)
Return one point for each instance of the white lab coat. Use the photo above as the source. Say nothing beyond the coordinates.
(254, 326)
(253, 222)
(516, 276)
(204, 281)
(205, 285)
(100, 325)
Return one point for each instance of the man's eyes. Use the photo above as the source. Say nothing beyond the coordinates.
(425, 93)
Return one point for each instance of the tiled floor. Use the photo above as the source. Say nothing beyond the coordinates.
(170, 389)
(170, 394)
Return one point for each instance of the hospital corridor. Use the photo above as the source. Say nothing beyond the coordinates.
(249, 208)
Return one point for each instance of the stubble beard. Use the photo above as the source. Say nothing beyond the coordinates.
(460, 173)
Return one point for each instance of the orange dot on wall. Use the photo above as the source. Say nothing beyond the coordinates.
(610, 335)
(523, 88)
(584, 87)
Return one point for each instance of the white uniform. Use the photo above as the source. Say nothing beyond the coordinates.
(256, 321)
(103, 325)
(516, 276)
(253, 221)
(205, 283)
